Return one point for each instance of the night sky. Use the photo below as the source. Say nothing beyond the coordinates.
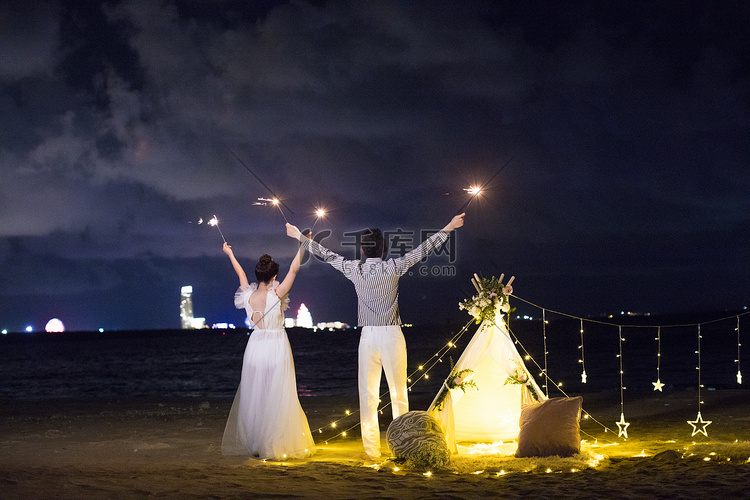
(612, 140)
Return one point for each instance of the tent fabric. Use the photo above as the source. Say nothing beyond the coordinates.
(491, 411)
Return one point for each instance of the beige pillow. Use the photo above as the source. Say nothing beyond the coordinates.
(415, 438)
(551, 427)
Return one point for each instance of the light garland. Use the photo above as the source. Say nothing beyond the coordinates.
(424, 368)
(699, 425)
(583, 357)
(545, 373)
(658, 385)
(699, 422)
(622, 425)
(739, 372)
(586, 414)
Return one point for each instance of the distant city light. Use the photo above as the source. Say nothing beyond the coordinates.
(5, 332)
(54, 326)
(29, 329)
(304, 318)
(101, 330)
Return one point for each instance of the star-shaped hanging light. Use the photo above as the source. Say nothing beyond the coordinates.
(699, 425)
(658, 385)
(622, 425)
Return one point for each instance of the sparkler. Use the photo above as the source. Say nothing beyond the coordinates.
(273, 201)
(215, 222)
(476, 190)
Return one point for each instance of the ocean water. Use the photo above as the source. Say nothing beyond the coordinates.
(207, 363)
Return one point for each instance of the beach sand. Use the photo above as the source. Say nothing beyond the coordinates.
(171, 449)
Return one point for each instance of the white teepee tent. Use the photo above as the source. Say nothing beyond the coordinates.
(490, 411)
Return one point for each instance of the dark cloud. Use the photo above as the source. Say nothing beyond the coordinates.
(625, 125)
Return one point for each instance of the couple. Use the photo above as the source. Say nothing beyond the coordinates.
(266, 419)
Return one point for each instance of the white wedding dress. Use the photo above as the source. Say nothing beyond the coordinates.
(266, 419)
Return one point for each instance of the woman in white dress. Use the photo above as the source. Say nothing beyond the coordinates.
(266, 419)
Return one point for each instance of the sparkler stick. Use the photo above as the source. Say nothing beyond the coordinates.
(475, 191)
(275, 200)
(215, 222)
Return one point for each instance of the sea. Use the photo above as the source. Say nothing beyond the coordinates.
(682, 351)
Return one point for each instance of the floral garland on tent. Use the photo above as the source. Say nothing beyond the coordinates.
(489, 301)
(458, 380)
(521, 377)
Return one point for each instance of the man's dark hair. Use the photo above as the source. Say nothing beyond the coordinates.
(373, 244)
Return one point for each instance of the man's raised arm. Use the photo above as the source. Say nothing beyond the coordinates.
(428, 245)
(337, 261)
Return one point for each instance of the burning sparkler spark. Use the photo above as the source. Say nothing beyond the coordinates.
(215, 222)
(320, 213)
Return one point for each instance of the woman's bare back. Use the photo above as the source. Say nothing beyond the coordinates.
(257, 301)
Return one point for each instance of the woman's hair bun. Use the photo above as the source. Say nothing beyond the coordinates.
(266, 268)
(265, 259)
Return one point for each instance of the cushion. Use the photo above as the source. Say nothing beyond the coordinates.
(417, 439)
(551, 427)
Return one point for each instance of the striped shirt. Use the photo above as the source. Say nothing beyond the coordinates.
(376, 280)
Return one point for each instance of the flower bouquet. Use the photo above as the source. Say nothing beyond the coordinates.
(490, 300)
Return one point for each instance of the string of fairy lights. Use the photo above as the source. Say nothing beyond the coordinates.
(544, 337)
(739, 345)
(658, 385)
(422, 371)
(583, 357)
(699, 424)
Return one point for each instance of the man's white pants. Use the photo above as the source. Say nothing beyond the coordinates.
(381, 348)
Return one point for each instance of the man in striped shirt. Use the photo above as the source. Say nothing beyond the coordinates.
(382, 346)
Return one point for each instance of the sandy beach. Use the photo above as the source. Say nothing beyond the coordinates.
(171, 449)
